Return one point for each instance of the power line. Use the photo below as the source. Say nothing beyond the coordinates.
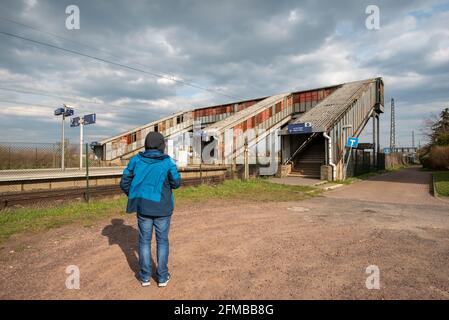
(42, 93)
(80, 107)
(45, 94)
(71, 40)
(26, 103)
(56, 35)
(31, 104)
(68, 39)
(153, 74)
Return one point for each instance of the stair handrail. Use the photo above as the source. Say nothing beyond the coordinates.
(301, 147)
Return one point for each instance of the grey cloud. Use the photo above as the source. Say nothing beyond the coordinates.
(244, 48)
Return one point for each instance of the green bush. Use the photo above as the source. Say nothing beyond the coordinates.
(425, 160)
(439, 158)
(443, 139)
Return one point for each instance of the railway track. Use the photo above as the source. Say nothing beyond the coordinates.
(45, 196)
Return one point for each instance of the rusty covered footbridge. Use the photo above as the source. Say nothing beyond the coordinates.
(302, 132)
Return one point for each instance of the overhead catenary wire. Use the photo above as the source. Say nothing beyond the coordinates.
(82, 100)
(26, 103)
(52, 106)
(151, 73)
(71, 41)
(90, 46)
(47, 94)
(58, 36)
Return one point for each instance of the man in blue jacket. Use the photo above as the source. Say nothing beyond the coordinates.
(148, 182)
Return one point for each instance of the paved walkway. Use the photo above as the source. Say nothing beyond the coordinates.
(408, 186)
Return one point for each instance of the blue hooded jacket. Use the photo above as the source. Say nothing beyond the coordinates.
(148, 181)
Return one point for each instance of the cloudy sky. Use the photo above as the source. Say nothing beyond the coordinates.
(235, 49)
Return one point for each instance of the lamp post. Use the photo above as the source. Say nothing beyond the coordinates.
(64, 111)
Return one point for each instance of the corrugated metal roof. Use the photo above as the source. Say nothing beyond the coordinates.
(245, 114)
(324, 114)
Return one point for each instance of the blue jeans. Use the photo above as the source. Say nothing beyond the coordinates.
(162, 227)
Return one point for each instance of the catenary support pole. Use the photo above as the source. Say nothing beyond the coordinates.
(81, 143)
(378, 142)
(374, 139)
(87, 173)
(62, 145)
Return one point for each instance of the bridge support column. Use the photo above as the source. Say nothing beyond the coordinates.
(375, 141)
(378, 142)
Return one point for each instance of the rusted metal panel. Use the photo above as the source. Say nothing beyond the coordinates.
(264, 115)
(186, 113)
(278, 107)
(215, 112)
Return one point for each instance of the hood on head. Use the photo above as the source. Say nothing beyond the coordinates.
(155, 141)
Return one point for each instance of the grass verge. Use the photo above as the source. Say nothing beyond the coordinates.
(441, 179)
(251, 190)
(13, 221)
(34, 219)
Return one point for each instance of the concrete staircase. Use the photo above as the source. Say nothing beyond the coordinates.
(309, 163)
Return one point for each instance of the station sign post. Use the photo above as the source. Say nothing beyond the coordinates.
(80, 122)
(64, 111)
(351, 143)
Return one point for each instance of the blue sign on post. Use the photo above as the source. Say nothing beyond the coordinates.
(75, 122)
(90, 118)
(87, 119)
(299, 128)
(387, 150)
(66, 112)
(69, 112)
(352, 142)
(59, 111)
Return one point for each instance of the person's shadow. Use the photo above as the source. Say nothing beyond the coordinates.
(126, 237)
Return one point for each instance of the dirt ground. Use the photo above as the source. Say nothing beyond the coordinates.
(314, 249)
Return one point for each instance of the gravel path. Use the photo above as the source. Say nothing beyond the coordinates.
(319, 248)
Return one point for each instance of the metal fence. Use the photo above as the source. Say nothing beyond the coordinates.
(32, 174)
(34, 166)
(364, 161)
(27, 156)
(22, 156)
